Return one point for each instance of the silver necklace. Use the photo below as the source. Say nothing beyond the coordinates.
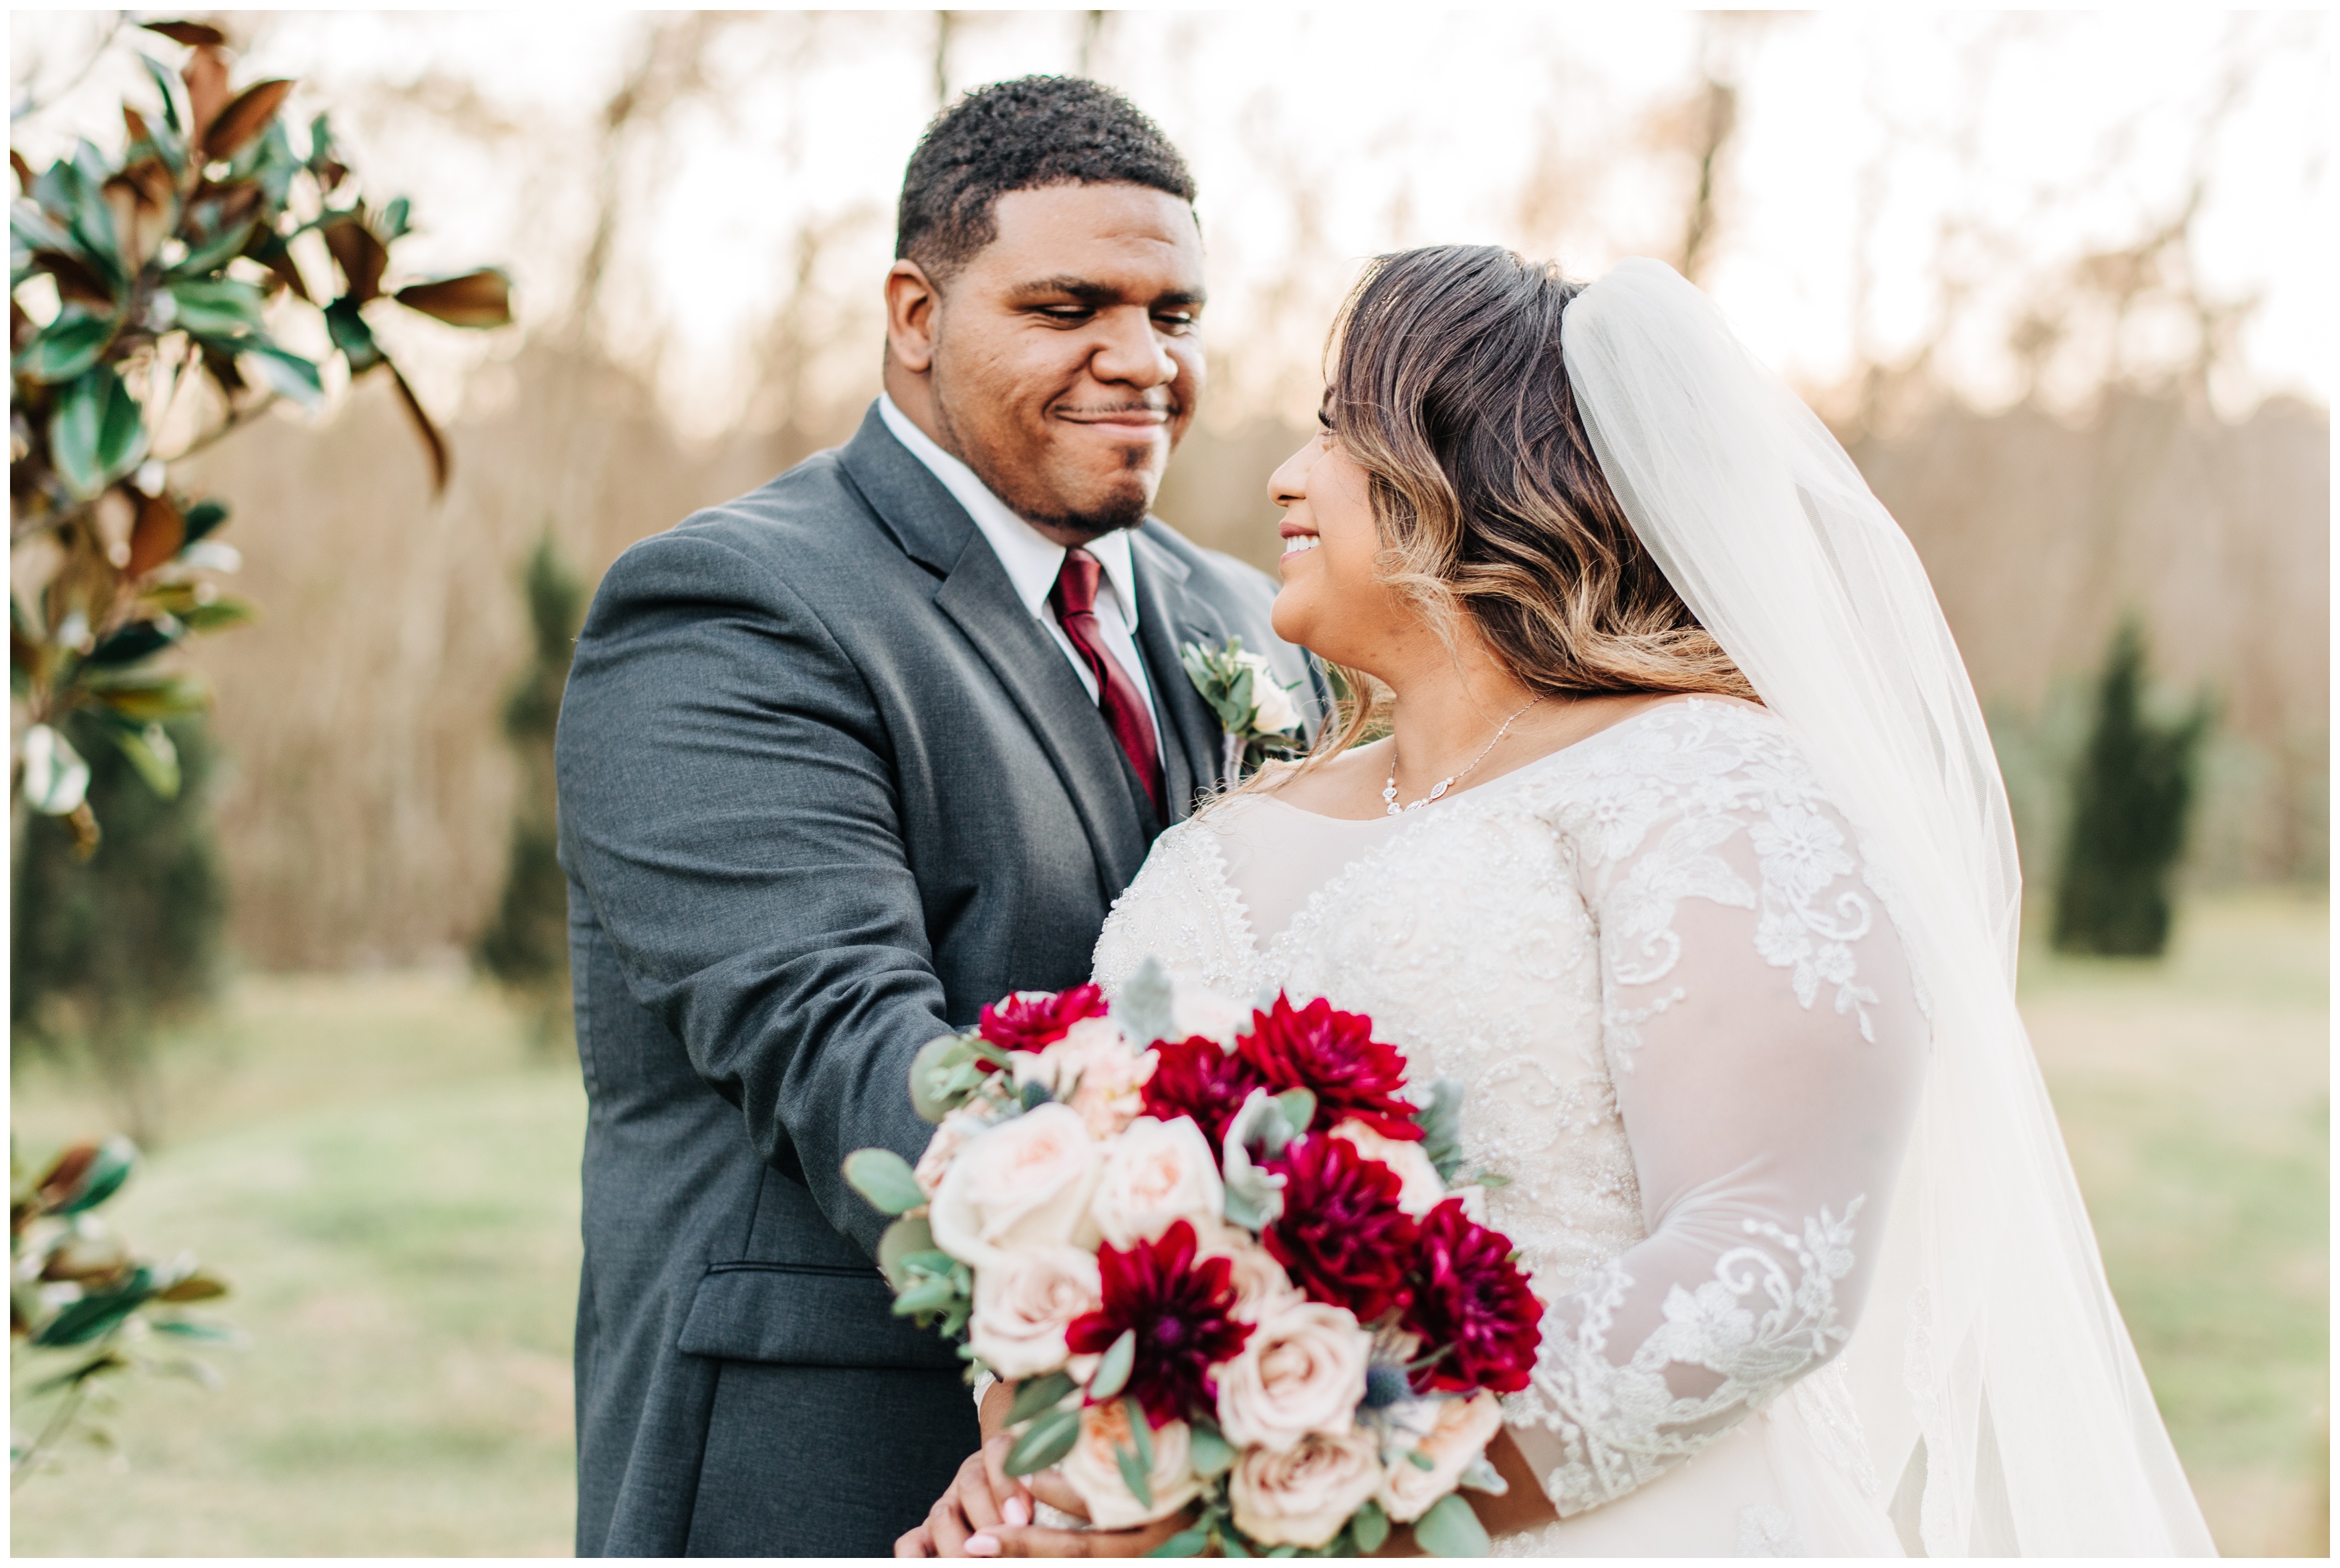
(1389, 790)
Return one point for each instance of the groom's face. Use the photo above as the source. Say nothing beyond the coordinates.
(1068, 355)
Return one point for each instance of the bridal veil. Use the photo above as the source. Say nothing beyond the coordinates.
(1995, 1378)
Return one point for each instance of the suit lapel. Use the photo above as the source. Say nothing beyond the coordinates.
(980, 599)
(1168, 616)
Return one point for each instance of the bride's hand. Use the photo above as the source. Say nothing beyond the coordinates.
(983, 1500)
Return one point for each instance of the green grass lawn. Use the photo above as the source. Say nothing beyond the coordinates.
(388, 1176)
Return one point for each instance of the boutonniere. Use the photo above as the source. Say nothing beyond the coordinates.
(1257, 716)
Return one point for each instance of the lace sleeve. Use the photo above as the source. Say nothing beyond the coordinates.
(1766, 1047)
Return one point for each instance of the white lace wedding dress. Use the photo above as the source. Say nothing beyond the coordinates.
(1692, 1042)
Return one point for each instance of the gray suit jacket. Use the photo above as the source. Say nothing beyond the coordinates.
(825, 789)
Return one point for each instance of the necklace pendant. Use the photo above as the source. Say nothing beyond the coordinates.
(1435, 793)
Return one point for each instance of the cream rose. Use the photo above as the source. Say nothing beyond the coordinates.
(943, 1148)
(1262, 1287)
(1302, 1498)
(1301, 1371)
(1276, 709)
(1022, 1302)
(1459, 1434)
(1024, 1182)
(1420, 1191)
(1196, 1009)
(1093, 1469)
(1155, 1174)
(1095, 1071)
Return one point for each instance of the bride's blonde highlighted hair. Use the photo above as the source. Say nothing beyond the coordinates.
(1444, 382)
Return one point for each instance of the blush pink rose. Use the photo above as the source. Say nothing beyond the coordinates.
(1093, 1468)
(1301, 1371)
(1421, 1190)
(1022, 1304)
(1301, 1497)
(1156, 1173)
(1024, 1182)
(1458, 1432)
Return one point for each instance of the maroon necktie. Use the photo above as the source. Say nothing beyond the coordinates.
(1073, 599)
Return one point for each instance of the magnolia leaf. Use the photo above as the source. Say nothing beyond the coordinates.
(434, 443)
(209, 255)
(358, 253)
(150, 750)
(1044, 1442)
(219, 615)
(286, 374)
(205, 74)
(348, 329)
(393, 223)
(1369, 1528)
(99, 1314)
(194, 1288)
(97, 433)
(902, 1239)
(1114, 1367)
(480, 298)
(67, 347)
(1451, 1530)
(884, 1178)
(162, 75)
(55, 780)
(158, 533)
(148, 694)
(244, 118)
(217, 307)
(203, 516)
(136, 641)
(210, 1332)
(95, 1367)
(187, 33)
(1035, 1395)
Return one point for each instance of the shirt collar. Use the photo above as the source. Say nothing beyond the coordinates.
(1033, 560)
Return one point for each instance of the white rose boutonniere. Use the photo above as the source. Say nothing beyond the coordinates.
(1257, 716)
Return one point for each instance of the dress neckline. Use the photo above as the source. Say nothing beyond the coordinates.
(1535, 764)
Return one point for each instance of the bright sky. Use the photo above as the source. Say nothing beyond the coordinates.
(1322, 138)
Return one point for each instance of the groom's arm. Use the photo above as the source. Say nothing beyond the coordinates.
(726, 803)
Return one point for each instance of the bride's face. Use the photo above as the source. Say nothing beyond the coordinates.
(1333, 603)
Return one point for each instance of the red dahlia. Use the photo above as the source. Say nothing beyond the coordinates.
(1200, 1078)
(1335, 1056)
(1178, 1309)
(1037, 1019)
(1469, 1295)
(1342, 1237)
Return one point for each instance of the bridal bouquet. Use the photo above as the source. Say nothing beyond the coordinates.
(1226, 1257)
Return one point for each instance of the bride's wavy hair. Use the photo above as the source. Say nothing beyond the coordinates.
(1444, 382)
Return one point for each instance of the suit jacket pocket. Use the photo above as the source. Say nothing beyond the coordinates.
(806, 1315)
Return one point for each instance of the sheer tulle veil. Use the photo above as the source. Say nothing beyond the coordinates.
(2002, 1399)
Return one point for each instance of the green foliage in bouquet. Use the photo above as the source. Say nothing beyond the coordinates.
(82, 1308)
(107, 948)
(525, 943)
(1256, 717)
(2130, 798)
(143, 285)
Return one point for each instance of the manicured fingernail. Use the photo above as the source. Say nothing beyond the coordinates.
(1015, 1511)
(983, 1546)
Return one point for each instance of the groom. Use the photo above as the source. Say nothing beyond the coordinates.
(842, 760)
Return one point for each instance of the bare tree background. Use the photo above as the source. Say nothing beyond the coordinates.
(365, 817)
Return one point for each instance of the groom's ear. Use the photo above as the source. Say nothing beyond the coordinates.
(911, 304)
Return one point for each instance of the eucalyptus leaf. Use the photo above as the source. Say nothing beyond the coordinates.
(1141, 1433)
(1035, 1395)
(1208, 1451)
(1044, 1442)
(1144, 1008)
(1450, 1529)
(937, 1087)
(1299, 1108)
(929, 1293)
(1186, 1543)
(1133, 1476)
(885, 1179)
(1113, 1369)
(903, 1239)
(1369, 1528)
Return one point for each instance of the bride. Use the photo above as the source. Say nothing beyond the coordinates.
(1685, 851)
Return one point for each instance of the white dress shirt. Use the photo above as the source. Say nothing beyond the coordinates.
(1034, 560)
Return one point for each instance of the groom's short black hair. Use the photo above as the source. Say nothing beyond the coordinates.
(1019, 135)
